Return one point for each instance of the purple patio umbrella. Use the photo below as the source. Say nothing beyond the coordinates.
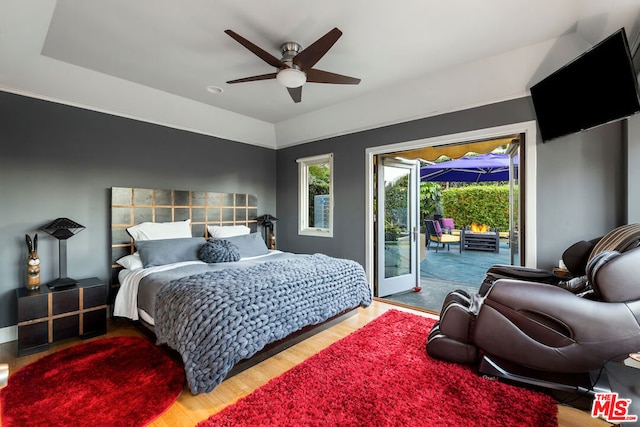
(481, 168)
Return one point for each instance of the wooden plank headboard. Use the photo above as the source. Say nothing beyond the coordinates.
(131, 206)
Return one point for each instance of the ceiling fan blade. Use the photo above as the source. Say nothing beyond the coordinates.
(296, 93)
(312, 54)
(254, 78)
(319, 76)
(262, 54)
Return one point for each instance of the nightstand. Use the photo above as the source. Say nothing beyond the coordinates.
(45, 316)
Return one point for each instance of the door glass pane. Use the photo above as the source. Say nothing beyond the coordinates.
(397, 220)
(514, 211)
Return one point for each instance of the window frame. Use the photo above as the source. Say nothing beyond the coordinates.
(303, 196)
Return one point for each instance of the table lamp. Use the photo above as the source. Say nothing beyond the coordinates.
(62, 229)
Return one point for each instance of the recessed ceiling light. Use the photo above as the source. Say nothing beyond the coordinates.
(215, 89)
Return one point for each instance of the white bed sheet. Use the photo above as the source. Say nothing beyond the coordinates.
(126, 302)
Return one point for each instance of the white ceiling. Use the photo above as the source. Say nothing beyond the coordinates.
(153, 59)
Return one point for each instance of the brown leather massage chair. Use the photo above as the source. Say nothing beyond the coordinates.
(543, 331)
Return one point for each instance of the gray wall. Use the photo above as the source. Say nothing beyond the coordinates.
(578, 187)
(59, 161)
(581, 181)
(633, 171)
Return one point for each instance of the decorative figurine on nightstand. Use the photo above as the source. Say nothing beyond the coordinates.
(33, 263)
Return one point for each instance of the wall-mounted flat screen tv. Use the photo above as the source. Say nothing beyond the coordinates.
(598, 87)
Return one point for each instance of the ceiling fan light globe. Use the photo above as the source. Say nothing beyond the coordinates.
(291, 78)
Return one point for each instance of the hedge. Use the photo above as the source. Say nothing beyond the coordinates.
(480, 204)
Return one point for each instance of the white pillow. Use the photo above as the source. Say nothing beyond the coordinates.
(160, 230)
(221, 232)
(131, 262)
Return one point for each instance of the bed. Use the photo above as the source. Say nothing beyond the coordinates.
(222, 300)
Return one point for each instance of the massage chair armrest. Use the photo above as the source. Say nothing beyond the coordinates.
(532, 297)
(558, 309)
(514, 272)
(527, 274)
(548, 328)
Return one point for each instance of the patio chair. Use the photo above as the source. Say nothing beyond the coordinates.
(435, 234)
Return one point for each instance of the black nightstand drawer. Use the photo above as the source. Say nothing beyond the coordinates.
(95, 323)
(95, 296)
(32, 338)
(66, 327)
(34, 307)
(65, 301)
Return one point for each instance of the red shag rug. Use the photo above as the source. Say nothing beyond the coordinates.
(122, 381)
(381, 375)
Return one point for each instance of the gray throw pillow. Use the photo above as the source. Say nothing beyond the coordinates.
(219, 250)
(167, 251)
(249, 245)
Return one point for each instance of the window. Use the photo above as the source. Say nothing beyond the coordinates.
(315, 197)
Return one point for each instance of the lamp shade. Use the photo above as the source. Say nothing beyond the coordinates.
(291, 78)
(266, 219)
(63, 228)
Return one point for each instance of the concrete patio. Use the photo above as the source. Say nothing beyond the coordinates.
(447, 270)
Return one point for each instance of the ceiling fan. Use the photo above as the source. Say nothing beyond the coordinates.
(295, 68)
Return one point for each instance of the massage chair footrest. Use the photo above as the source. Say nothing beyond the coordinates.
(442, 347)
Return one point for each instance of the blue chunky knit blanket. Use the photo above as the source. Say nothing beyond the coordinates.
(219, 318)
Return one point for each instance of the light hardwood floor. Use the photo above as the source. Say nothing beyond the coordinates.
(189, 410)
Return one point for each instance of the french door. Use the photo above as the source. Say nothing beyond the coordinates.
(515, 202)
(397, 213)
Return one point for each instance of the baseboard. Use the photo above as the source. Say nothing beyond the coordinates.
(10, 333)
